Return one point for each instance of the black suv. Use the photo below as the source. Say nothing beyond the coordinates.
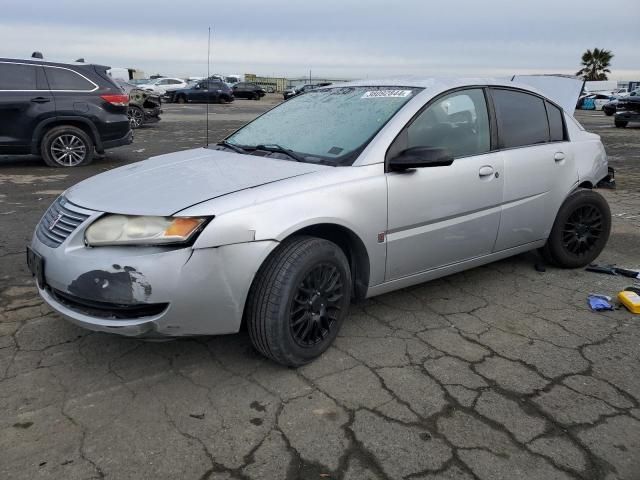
(64, 112)
(248, 90)
(213, 91)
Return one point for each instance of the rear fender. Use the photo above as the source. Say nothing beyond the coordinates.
(45, 125)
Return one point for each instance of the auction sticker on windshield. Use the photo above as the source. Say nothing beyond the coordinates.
(386, 94)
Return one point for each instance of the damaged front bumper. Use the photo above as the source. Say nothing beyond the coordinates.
(149, 291)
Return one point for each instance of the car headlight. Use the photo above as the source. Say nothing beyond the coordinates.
(140, 230)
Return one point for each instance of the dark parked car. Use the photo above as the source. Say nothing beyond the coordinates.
(248, 90)
(212, 91)
(144, 106)
(628, 110)
(63, 112)
(610, 108)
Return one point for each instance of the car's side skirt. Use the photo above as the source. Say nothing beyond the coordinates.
(450, 269)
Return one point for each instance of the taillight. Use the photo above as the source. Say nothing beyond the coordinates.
(118, 99)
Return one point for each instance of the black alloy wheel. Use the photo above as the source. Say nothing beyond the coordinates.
(316, 305)
(580, 231)
(298, 300)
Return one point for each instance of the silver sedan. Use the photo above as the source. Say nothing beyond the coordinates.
(341, 193)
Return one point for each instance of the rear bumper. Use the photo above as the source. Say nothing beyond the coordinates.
(609, 181)
(125, 140)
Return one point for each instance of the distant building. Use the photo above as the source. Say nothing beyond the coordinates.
(631, 85)
(276, 84)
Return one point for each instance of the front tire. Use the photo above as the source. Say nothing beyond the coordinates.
(580, 231)
(136, 117)
(298, 300)
(620, 123)
(67, 146)
(181, 99)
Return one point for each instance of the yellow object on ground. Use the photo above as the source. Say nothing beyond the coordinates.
(631, 300)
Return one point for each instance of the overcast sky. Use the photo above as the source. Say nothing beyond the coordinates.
(336, 39)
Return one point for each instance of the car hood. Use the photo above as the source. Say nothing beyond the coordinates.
(169, 183)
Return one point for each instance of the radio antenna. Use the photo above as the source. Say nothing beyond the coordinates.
(208, 85)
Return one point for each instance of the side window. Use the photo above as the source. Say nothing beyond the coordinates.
(522, 118)
(15, 76)
(458, 122)
(556, 127)
(62, 79)
(175, 82)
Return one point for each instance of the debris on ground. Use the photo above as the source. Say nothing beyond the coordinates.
(613, 270)
(599, 303)
(630, 299)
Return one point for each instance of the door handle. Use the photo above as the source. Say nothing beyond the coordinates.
(40, 100)
(559, 156)
(486, 171)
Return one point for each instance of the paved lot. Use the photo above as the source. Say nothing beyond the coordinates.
(500, 372)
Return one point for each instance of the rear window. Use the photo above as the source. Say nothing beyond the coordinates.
(556, 126)
(63, 79)
(522, 118)
(15, 76)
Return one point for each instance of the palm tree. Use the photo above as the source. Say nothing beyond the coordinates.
(595, 64)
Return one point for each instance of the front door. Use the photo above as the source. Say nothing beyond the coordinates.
(442, 215)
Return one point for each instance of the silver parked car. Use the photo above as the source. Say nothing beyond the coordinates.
(343, 193)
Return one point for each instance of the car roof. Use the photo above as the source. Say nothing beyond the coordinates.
(431, 82)
(37, 61)
(547, 86)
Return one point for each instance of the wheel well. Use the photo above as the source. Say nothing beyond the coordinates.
(586, 184)
(81, 125)
(353, 248)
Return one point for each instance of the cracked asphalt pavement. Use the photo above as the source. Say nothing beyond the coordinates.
(500, 372)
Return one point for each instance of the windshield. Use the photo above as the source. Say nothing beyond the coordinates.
(329, 124)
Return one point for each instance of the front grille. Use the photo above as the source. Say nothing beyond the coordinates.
(112, 311)
(60, 220)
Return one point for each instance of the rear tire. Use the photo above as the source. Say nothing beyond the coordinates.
(67, 146)
(580, 231)
(298, 300)
(620, 123)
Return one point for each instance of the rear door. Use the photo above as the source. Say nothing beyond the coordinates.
(539, 167)
(442, 215)
(73, 92)
(215, 90)
(240, 91)
(25, 100)
(199, 92)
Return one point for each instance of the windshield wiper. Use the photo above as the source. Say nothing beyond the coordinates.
(272, 147)
(231, 146)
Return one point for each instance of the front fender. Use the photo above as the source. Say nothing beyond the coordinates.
(358, 204)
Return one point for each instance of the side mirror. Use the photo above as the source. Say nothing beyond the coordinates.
(419, 157)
